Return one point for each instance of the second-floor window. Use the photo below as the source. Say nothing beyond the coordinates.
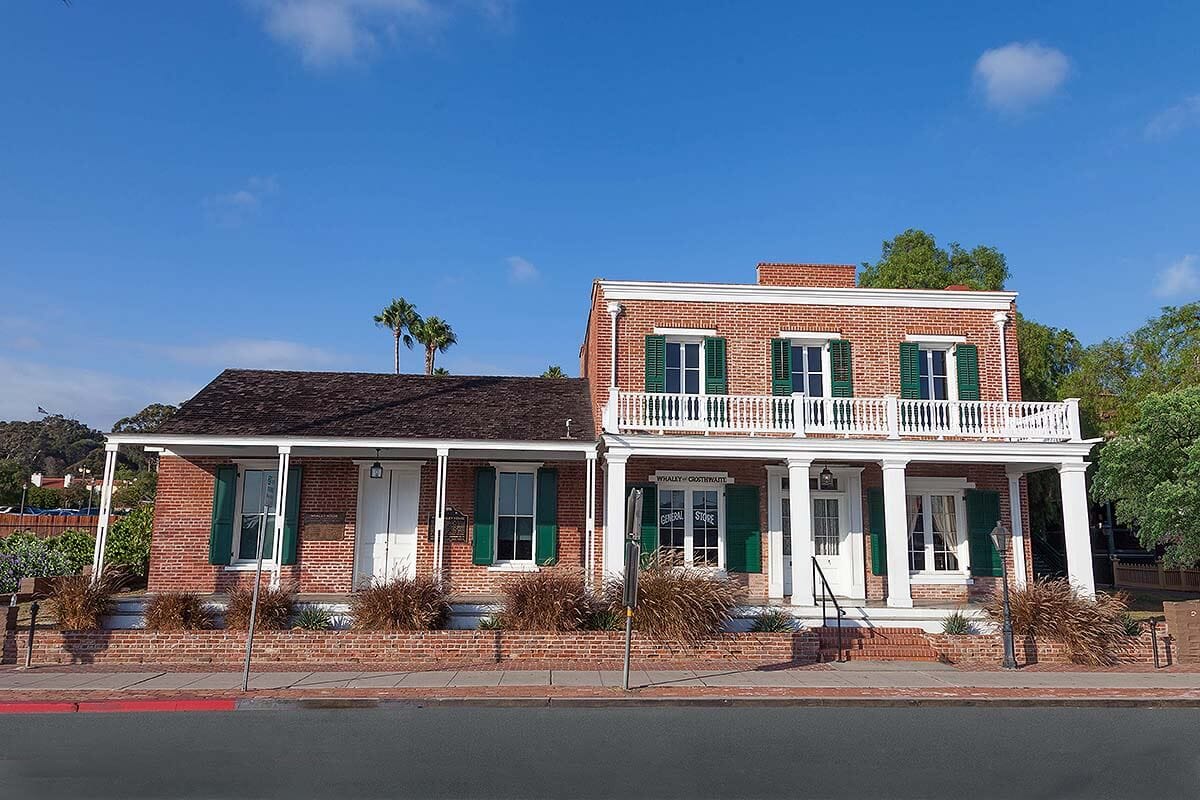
(935, 373)
(685, 370)
(808, 369)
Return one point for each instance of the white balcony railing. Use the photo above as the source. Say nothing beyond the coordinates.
(797, 415)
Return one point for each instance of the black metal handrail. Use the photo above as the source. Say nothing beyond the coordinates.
(827, 594)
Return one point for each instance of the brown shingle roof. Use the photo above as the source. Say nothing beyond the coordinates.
(365, 404)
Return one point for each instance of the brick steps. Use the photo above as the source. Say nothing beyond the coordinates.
(876, 644)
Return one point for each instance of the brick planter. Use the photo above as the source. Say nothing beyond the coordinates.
(989, 649)
(441, 648)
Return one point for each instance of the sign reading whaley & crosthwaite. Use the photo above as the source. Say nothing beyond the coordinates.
(680, 478)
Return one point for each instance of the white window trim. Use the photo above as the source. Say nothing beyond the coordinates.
(921, 338)
(514, 564)
(236, 562)
(688, 529)
(688, 332)
(818, 340)
(690, 338)
(926, 343)
(939, 486)
(809, 335)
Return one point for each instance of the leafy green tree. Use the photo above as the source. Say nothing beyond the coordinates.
(1047, 355)
(913, 260)
(554, 371)
(148, 420)
(441, 371)
(134, 488)
(1151, 472)
(436, 335)
(399, 316)
(128, 541)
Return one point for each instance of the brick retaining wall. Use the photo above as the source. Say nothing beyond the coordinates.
(989, 649)
(443, 648)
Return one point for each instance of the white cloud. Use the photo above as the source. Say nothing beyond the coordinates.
(1179, 279)
(521, 270)
(1175, 119)
(97, 398)
(1018, 75)
(233, 208)
(330, 32)
(252, 354)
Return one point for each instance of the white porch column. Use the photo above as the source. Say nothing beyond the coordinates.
(1018, 527)
(800, 505)
(895, 513)
(589, 505)
(614, 513)
(1075, 526)
(439, 511)
(105, 510)
(285, 458)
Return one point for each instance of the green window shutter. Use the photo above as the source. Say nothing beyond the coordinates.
(743, 533)
(220, 538)
(656, 363)
(546, 517)
(878, 531)
(649, 522)
(983, 512)
(967, 358)
(483, 545)
(910, 370)
(715, 372)
(841, 383)
(291, 516)
(781, 366)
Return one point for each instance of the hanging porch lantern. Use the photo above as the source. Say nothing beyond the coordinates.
(377, 468)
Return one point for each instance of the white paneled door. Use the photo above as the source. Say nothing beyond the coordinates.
(386, 541)
(831, 546)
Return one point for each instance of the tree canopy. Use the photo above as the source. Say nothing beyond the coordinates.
(1152, 472)
(913, 260)
(1048, 356)
(554, 371)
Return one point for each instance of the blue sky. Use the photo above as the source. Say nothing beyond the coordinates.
(190, 186)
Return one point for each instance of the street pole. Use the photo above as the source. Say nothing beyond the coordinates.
(1010, 656)
(262, 521)
(633, 553)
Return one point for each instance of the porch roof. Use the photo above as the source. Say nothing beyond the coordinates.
(376, 406)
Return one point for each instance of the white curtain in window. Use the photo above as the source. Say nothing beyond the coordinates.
(943, 520)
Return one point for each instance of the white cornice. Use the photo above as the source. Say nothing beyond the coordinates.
(171, 441)
(805, 295)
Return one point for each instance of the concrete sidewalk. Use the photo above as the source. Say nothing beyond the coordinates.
(853, 675)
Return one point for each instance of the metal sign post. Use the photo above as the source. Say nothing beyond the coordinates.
(262, 523)
(633, 557)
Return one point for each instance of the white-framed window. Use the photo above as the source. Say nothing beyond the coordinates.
(937, 540)
(516, 502)
(684, 365)
(810, 368)
(256, 489)
(691, 524)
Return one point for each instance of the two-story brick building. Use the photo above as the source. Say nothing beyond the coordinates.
(892, 417)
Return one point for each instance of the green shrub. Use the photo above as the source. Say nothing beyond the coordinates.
(773, 621)
(603, 618)
(178, 611)
(314, 618)
(548, 600)
(26, 555)
(956, 624)
(77, 547)
(403, 604)
(676, 602)
(1132, 625)
(274, 608)
(491, 623)
(129, 540)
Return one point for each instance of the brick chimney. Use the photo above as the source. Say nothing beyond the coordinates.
(823, 276)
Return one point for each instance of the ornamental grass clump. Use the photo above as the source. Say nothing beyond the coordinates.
(178, 611)
(402, 604)
(677, 603)
(773, 621)
(550, 600)
(956, 624)
(80, 604)
(274, 608)
(1091, 629)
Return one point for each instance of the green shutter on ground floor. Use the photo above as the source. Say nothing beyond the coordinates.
(483, 546)
(546, 517)
(878, 522)
(291, 516)
(743, 531)
(983, 512)
(224, 507)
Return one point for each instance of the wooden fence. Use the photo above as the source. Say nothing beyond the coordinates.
(46, 524)
(1131, 575)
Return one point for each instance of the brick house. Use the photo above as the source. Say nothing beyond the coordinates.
(893, 417)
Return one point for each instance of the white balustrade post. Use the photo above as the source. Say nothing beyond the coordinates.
(1073, 429)
(800, 505)
(798, 413)
(893, 416)
(1018, 527)
(614, 513)
(1073, 479)
(895, 514)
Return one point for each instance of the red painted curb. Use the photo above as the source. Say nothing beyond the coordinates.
(111, 706)
(37, 708)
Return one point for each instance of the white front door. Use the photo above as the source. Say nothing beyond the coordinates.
(386, 538)
(831, 547)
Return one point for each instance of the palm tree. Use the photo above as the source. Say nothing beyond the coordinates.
(554, 371)
(441, 371)
(437, 336)
(401, 318)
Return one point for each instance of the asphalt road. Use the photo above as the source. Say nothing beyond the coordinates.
(881, 753)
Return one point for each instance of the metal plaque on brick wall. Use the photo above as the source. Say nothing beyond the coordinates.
(457, 524)
(323, 527)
